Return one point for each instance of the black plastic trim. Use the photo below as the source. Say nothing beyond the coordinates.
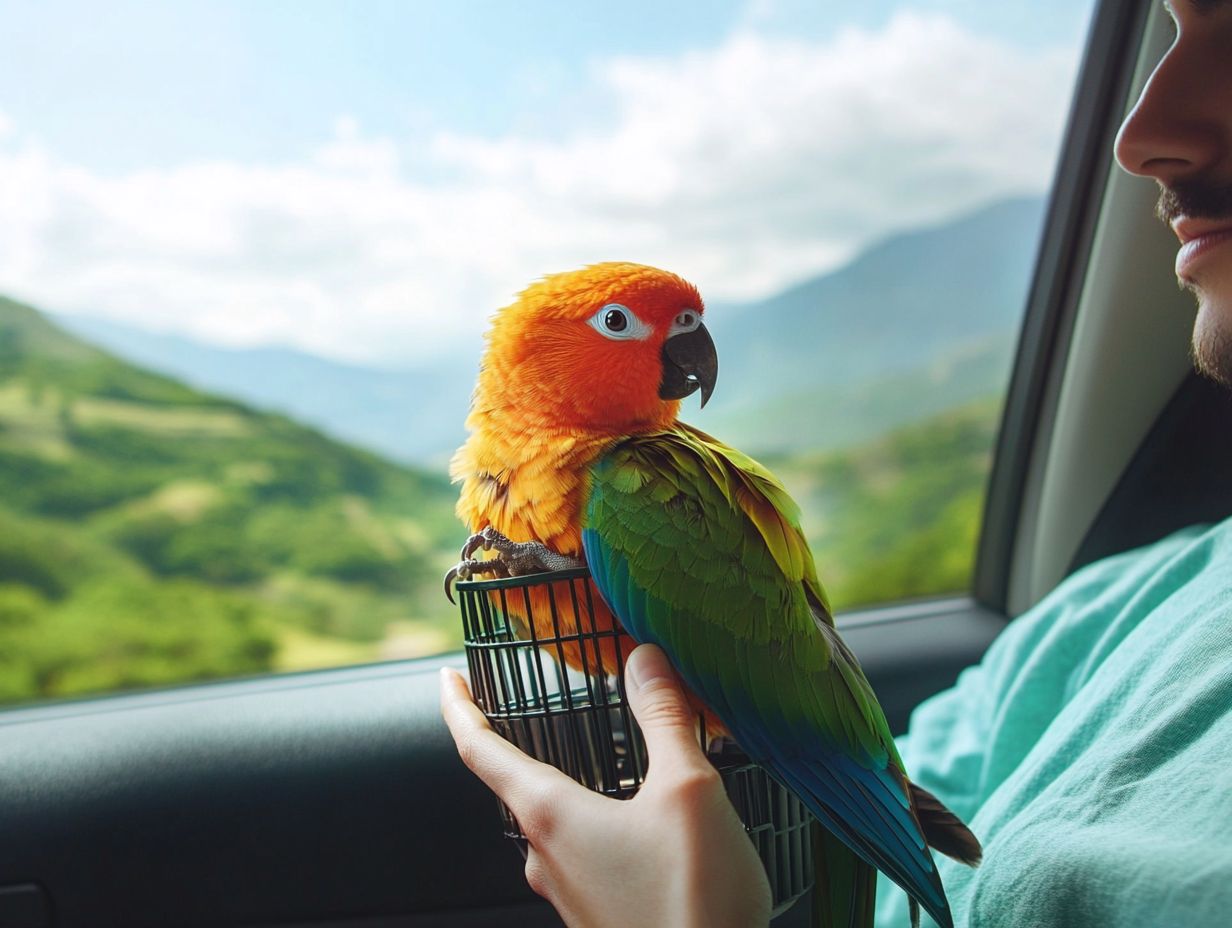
(916, 650)
(1177, 478)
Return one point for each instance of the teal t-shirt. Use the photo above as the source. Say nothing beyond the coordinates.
(1091, 751)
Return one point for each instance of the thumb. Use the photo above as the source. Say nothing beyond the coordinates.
(661, 708)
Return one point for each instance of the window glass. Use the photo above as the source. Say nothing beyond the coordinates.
(248, 252)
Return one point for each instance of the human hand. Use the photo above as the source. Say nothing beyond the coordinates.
(675, 854)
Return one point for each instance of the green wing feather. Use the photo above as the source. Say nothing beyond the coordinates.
(699, 548)
(695, 518)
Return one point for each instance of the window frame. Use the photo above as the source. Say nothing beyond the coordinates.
(1075, 201)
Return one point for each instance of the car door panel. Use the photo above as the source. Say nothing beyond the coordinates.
(330, 798)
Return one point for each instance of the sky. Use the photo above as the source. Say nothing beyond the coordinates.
(370, 181)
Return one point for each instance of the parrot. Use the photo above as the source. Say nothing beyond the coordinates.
(576, 451)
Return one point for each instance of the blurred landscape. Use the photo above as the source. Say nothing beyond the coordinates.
(151, 533)
(164, 517)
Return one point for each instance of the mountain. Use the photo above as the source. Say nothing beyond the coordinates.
(409, 415)
(151, 532)
(914, 324)
(842, 415)
(900, 305)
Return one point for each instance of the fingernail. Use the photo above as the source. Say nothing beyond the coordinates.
(645, 664)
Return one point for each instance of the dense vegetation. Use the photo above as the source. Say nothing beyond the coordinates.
(897, 518)
(151, 533)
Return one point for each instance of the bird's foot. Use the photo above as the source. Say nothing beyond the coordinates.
(519, 557)
(513, 558)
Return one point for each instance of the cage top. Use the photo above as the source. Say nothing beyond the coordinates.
(507, 583)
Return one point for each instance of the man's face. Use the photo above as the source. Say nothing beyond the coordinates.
(1180, 133)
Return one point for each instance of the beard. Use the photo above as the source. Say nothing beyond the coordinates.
(1212, 342)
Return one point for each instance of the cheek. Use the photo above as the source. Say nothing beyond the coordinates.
(621, 380)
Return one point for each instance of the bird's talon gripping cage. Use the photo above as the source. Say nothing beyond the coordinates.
(579, 720)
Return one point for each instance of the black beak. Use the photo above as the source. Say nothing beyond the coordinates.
(689, 362)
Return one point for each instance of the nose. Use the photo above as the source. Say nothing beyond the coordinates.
(1179, 126)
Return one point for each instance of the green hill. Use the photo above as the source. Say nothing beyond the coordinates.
(152, 533)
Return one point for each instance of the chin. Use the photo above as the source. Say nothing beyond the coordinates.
(1212, 338)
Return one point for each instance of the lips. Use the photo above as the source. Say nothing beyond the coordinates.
(1198, 238)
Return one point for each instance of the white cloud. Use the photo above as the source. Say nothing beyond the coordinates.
(746, 167)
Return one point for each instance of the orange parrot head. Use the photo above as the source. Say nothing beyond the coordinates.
(612, 347)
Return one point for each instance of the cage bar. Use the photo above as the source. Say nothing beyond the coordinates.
(577, 718)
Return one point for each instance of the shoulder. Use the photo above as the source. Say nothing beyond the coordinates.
(698, 486)
(688, 451)
(1085, 661)
(680, 442)
(1096, 608)
(1096, 732)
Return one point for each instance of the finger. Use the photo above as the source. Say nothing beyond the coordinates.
(661, 708)
(509, 773)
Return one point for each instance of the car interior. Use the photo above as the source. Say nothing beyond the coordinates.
(336, 799)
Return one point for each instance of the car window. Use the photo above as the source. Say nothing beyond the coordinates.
(249, 251)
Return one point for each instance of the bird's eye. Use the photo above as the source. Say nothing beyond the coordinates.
(618, 322)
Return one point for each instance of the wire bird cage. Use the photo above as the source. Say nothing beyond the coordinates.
(579, 721)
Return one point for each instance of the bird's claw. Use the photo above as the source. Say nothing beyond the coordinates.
(487, 539)
(468, 567)
(513, 558)
(456, 572)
